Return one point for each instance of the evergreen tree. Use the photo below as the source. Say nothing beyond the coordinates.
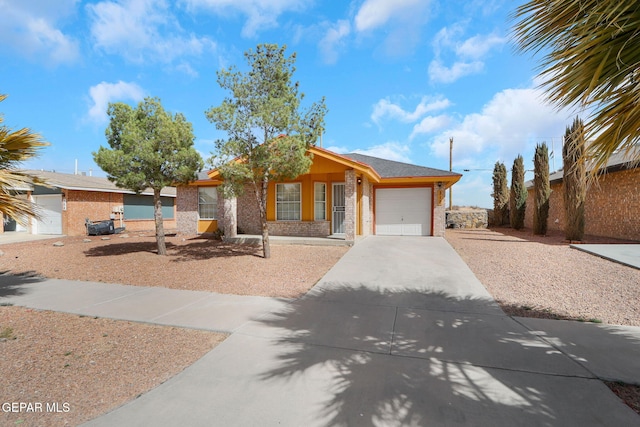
(518, 199)
(500, 195)
(541, 189)
(268, 133)
(574, 180)
(150, 148)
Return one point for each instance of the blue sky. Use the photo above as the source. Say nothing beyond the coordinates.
(400, 77)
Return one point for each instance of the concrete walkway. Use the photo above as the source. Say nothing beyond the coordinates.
(626, 254)
(399, 332)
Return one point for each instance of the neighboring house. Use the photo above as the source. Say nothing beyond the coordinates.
(342, 195)
(612, 204)
(70, 199)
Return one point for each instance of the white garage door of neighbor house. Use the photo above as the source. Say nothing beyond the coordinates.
(50, 208)
(403, 211)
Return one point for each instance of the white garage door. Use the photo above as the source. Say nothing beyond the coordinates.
(403, 211)
(50, 209)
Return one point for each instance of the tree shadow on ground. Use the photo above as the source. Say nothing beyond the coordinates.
(423, 357)
(200, 249)
(11, 284)
(552, 237)
(209, 248)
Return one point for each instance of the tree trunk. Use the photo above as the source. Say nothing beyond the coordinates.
(157, 215)
(266, 249)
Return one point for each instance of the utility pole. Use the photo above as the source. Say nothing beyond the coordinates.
(451, 170)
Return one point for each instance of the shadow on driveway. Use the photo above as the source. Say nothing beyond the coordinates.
(435, 366)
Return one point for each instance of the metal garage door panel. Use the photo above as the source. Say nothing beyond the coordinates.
(403, 211)
(50, 208)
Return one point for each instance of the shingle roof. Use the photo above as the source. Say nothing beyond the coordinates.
(392, 169)
(89, 183)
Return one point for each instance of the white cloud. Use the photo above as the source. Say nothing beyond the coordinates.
(375, 13)
(338, 149)
(509, 124)
(333, 41)
(30, 27)
(479, 46)
(261, 14)
(385, 108)
(469, 54)
(104, 93)
(391, 150)
(439, 73)
(430, 124)
(142, 30)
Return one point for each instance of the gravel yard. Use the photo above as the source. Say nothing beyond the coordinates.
(89, 366)
(538, 276)
(194, 263)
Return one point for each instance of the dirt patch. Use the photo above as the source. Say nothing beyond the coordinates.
(193, 262)
(71, 369)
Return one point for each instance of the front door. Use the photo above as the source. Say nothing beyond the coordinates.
(338, 208)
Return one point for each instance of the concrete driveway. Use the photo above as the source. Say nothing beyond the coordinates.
(399, 332)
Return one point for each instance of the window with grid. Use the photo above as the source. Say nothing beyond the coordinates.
(208, 202)
(288, 202)
(320, 201)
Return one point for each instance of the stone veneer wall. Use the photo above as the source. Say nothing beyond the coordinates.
(351, 206)
(467, 218)
(300, 228)
(611, 206)
(187, 209)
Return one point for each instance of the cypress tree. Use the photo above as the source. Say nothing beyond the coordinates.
(574, 180)
(500, 195)
(518, 199)
(541, 189)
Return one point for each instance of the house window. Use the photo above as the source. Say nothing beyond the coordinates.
(288, 202)
(208, 202)
(320, 201)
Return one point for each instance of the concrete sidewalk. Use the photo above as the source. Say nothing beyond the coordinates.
(162, 306)
(626, 253)
(399, 332)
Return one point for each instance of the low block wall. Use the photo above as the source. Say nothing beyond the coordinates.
(476, 218)
(300, 228)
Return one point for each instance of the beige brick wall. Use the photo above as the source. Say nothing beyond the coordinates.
(248, 213)
(612, 206)
(300, 228)
(367, 207)
(187, 209)
(439, 215)
(351, 206)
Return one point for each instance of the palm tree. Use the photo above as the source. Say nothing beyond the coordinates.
(593, 62)
(15, 147)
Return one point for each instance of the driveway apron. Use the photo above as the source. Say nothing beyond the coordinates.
(400, 333)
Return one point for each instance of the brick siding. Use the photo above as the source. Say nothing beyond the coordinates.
(611, 206)
(187, 209)
(299, 228)
(248, 213)
(439, 215)
(94, 205)
(350, 195)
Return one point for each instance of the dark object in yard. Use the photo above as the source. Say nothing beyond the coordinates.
(96, 228)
